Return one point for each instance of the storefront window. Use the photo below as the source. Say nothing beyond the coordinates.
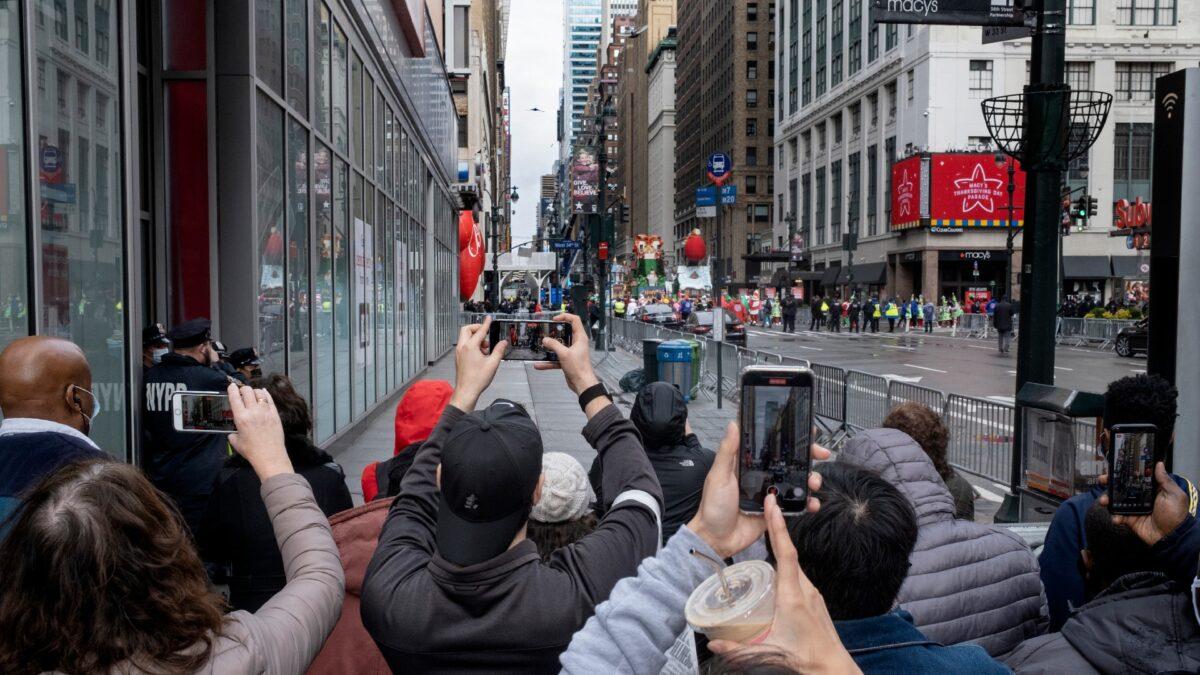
(367, 302)
(298, 306)
(268, 50)
(270, 234)
(356, 136)
(81, 216)
(321, 73)
(340, 56)
(383, 275)
(361, 294)
(295, 17)
(400, 335)
(14, 291)
(323, 288)
(341, 290)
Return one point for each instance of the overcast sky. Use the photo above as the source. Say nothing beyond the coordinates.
(533, 67)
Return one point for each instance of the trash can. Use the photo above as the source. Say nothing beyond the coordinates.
(650, 359)
(697, 361)
(675, 365)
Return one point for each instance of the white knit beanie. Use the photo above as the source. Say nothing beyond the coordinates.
(566, 493)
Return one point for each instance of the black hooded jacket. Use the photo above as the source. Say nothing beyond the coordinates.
(679, 461)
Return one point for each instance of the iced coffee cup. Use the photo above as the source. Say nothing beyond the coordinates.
(740, 608)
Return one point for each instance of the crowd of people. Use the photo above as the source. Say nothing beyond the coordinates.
(480, 550)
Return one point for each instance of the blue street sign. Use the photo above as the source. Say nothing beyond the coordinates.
(719, 164)
(706, 196)
(566, 245)
(728, 194)
(50, 158)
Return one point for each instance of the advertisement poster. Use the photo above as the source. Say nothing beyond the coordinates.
(585, 180)
(951, 12)
(971, 190)
(1137, 292)
(906, 193)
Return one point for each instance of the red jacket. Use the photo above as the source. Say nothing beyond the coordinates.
(350, 648)
(416, 415)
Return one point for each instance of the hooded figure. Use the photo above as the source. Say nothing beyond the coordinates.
(967, 582)
(679, 461)
(417, 414)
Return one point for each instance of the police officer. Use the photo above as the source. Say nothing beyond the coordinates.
(222, 363)
(183, 464)
(155, 345)
(247, 363)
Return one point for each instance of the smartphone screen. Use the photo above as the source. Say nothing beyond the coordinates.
(202, 412)
(776, 420)
(1131, 469)
(525, 338)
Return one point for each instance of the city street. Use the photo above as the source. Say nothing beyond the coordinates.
(939, 361)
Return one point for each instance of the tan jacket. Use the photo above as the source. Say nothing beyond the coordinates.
(285, 634)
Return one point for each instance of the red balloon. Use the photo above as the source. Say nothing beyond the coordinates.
(466, 225)
(694, 248)
(470, 263)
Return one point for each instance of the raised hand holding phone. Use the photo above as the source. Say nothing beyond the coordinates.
(474, 367)
(1169, 511)
(575, 360)
(259, 436)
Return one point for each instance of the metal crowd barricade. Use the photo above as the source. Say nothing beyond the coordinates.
(981, 436)
(866, 400)
(1070, 330)
(903, 392)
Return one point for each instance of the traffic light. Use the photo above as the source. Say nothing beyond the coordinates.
(1093, 204)
(1080, 208)
(624, 213)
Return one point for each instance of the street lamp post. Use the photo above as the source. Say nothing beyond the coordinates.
(513, 197)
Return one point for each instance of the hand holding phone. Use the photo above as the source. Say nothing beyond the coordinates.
(776, 438)
(1132, 454)
(1169, 511)
(259, 436)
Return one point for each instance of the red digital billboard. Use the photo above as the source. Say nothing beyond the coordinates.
(971, 190)
(906, 193)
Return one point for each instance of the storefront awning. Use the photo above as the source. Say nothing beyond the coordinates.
(1130, 267)
(808, 275)
(830, 276)
(869, 274)
(1086, 267)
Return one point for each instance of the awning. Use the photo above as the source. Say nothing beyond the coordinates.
(768, 256)
(871, 274)
(809, 275)
(1086, 267)
(830, 276)
(1130, 267)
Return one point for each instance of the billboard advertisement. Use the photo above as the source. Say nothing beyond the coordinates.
(585, 180)
(969, 190)
(906, 193)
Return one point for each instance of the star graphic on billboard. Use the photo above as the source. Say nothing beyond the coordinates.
(904, 192)
(978, 191)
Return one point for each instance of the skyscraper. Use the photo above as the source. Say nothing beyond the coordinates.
(583, 25)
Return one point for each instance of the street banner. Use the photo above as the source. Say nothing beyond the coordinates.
(969, 190)
(696, 277)
(952, 12)
(585, 180)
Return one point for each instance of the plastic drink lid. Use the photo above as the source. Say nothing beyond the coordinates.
(750, 583)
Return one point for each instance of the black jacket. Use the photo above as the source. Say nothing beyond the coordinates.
(680, 462)
(25, 459)
(1143, 623)
(512, 613)
(237, 530)
(1002, 317)
(787, 305)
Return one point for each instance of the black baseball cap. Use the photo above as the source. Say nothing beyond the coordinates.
(154, 334)
(491, 462)
(246, 356)
(191, 333)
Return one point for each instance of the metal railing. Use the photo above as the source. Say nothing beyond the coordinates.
(981, 436)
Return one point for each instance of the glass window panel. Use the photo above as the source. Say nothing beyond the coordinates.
(14, 291)
(400, 335)
(367, 301)
(356, 132)
(81, 259)
(321, 74)
(379, 140)
(340, 55)
(295, 16)
(270, 189)
(341, 291)
(268, 49)
(368, 127)
(379, 306)
(323, 298)
(359, 299)
(298, 307)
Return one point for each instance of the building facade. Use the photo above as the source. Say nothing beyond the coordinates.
(583, 28)
(725, 98)
(271, 165)
(855, 97)
(659, 186)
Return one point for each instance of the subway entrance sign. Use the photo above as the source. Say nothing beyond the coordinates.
(952, 12)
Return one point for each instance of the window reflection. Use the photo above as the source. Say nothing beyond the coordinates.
(341, 292)
(270, 235)
(323, 288)
(298, 306)
(14, 293)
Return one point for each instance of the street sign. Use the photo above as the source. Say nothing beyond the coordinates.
(719, 167)
(728, 194)
(706, 196)
(952, 12)
(992, 34)
(50, 158)
(602, 250)
(565, 245)
(706, 211)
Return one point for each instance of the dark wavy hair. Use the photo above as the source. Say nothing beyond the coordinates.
(926, 427)
(98, 571)
(550, 537)
(293, 409)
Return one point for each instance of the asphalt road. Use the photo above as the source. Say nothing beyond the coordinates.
(957, 365)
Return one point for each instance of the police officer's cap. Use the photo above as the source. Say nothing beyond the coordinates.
(154, 334)
(191, 333)
(220, 348)
(246, 356)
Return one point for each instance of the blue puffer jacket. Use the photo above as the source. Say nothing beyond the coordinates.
(968, 582)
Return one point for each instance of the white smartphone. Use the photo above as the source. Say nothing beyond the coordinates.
(202, 412)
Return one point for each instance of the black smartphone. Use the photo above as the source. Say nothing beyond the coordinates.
(775, 454)
(1131, 459)
(205, 412)
(525, 337)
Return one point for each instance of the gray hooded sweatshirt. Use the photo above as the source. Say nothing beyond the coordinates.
(968, 582)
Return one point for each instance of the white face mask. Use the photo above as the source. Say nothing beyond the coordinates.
(158, 354)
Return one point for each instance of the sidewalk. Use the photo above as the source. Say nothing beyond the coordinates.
(553, 406)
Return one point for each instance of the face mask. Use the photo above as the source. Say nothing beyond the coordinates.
(158, 354)
(95, 408)
(256, 373)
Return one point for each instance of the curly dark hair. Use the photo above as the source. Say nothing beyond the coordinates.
(293, 409)
(550, 537)
(99, 571)
(925, 427)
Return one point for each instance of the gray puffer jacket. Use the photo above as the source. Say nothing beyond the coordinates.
(968, 582)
